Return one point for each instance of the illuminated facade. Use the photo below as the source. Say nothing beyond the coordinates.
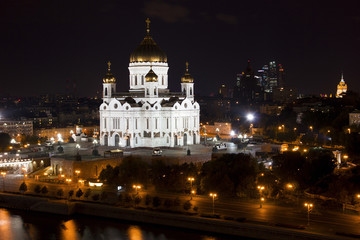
(149, 115)
(341, 88)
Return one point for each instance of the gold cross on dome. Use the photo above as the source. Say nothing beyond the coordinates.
(148, 25)
(109, 64)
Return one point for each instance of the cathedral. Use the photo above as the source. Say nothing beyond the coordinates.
(149, 115)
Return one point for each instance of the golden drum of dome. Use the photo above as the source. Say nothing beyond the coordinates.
(148, 50)
(151, 76)
(109, 78)
(187, 78)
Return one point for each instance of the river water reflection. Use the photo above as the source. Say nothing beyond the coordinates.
(21, 225)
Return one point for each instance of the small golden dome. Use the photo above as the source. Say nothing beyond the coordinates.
(151, 76)
(148, 50)
(109, 78)
(187, 78)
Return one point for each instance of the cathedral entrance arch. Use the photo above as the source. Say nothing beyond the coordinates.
(117, 140)
(185, 139)
(106, 140)
(176, 140)
(194, 138)
(128, 141)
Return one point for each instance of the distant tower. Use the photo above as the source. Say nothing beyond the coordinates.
(109, 85)
(187, 84)
(341, 87)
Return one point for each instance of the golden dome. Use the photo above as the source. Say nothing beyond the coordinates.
(187, 78)
(148, 50)
(151, 76)
(109, 78)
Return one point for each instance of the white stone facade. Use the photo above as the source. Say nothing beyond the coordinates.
(149, 115)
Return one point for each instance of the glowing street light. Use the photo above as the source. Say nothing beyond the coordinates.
(68, 180)
(311, 128)
(250, 117)
(213, 195)
(260, 190)
(309, 208)
(137, 188)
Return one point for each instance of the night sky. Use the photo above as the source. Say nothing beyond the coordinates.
(48, 46)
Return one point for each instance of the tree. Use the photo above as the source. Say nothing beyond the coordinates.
(287, 167)
(23, 187)
(87, 193)
(128, 199)
(147, 200)
(230, 174)
(168, 203)
(71, 193)
(79, 193)
(4, 141)
(103, 196)
(60, 193)
(44, 190)
(187, 205)
(319, 163)
(37, 189)
(137, 200)
(156, 201)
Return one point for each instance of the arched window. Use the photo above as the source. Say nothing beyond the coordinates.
(191, 91)
(106, 92)
(154, 91)
(135, 80)
(162, 80)
(147, 91)
(142, 80)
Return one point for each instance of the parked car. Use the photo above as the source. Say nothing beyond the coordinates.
(220, 146)
(156, 152)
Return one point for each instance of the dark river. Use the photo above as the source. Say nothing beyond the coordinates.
(23, 225)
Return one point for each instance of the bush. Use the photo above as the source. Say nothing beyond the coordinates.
(79, 193)
(147, 200)
(177, 202)
(71, 193)
(44, 190)
(37, 189)
(128, 198)
(168, 203)
(60, 193)
(137, 200)
(96, 197)
(121, 197)
(195, 208)
(23, 187)
(87, 193)
(156, 202)
(103, 196)
(187, 205)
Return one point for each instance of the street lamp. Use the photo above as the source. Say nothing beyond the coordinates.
(311, 128)
(77, 176)
(24, 171)
(3, 175)
(260, 189)
(191, 179)
(77, 147)
(213, 195)
(68, 180)
(309, 208)
(137, 187)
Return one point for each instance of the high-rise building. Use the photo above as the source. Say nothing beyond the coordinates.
(341, 87)
(271, 76)
(247, 88)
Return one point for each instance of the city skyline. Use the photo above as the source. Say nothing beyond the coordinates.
(50, 47)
